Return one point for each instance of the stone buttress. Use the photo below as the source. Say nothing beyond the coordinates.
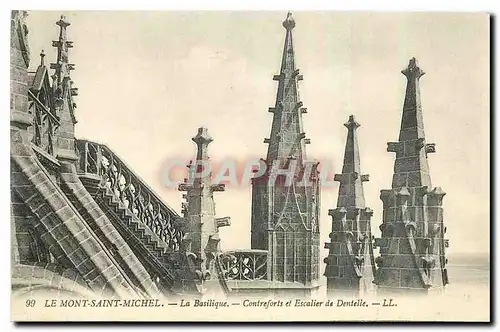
(55, 244)
(201, 240)
(350, 264)
(412, 246)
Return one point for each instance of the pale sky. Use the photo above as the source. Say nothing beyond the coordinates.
(148, 80)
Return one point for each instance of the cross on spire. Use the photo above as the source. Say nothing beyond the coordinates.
(202, 140)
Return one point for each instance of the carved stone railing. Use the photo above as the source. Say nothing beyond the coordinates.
(136, 195)
(245, 264)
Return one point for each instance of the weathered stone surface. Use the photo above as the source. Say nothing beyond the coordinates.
(105, 230)
(410, 220)
(349, 263)
(287, 233)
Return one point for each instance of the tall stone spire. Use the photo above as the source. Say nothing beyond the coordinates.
(412, 256)
(62, 67)
(350, 264)
(62, 85)
(202, 234)
(351, 187)
(285, 214)
(411, 167)
(287, 137)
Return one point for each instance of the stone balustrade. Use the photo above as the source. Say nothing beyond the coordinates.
(132, 191)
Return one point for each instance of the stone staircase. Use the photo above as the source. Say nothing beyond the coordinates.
(166, 262)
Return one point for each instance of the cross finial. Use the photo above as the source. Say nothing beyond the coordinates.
(63, 23)
(413, 70)
(289, 22)
(202, 138)
(351, 123)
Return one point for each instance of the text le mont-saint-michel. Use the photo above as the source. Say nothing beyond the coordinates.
(247, 303)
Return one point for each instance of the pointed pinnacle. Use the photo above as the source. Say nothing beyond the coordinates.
(42, 56)
(289, 22)
(351, 123)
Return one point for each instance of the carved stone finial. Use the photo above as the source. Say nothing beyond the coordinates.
(413, 71)
(202, 138)
(63, 23)
(289, 22)
(42, 58)
(352, 123)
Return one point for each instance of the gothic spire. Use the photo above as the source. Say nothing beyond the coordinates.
(412, 125)
(287, 138)
(412, 243)
(62, 80)
(411, 168)
(349, 264)
(351, 180)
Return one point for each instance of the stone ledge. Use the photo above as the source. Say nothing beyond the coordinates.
(21, 119)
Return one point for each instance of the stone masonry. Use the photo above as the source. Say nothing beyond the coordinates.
(350, 264)
(83, 223)
(412, 246)
(202, 241)
(49, 232)
(285, 216)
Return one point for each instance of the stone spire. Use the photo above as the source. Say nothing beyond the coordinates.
(350, 263)
(286, 198)
(201, 240)
(287, 137)
(411, 168)
(63, 93)
(351, 187)
(62, 81)
(412, 245)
